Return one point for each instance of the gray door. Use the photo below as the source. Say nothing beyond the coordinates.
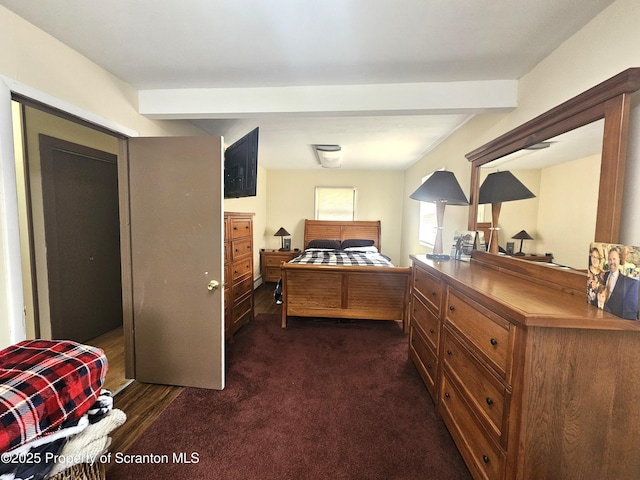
(176, 218)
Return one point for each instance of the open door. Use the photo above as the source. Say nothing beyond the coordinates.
(176, 250)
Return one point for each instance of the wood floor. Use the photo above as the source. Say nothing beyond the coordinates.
(143, 403)
(112, 343)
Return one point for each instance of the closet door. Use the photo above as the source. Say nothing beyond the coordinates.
(176, 216)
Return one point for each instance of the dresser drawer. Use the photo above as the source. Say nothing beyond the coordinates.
(241, 249)
(482, 390)
(242, 288)
(429, 287)
(242, 312)
(241, 268)
(425, 360)
(484, 457)
(422, 317)
(491, 334)
(227, 253)
(274, 260)
(272, 274)
(240, 228)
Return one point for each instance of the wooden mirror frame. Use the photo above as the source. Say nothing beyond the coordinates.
(609, 100)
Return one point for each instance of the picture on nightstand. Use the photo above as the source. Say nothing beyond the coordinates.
(286, 244)
(510, 248)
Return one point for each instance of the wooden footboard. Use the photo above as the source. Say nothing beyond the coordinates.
(373, 293)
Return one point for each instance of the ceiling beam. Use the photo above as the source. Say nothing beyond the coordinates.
(335, 100)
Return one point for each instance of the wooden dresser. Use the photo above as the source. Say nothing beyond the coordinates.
(270, 261)
(531, 381)
(238, 271)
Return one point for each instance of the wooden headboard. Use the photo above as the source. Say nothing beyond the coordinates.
(341, 230)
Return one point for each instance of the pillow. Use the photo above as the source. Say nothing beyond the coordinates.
(370, 249)
(356, 242)
(324, 243)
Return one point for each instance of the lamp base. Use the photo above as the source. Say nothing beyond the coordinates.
(519, 254)
(438, 256)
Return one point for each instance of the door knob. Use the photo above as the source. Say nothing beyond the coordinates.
(213, 284)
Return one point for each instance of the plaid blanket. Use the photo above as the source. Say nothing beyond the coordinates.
(341, 257)
(42, 384)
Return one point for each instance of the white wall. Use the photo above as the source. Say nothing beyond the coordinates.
(291, 197)
(46, 68)
(258, 206)
(567, 214)
(604, 47)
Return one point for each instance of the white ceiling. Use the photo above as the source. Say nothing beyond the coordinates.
(232, 45)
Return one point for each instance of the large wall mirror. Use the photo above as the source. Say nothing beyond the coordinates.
(573, 159)
(564, 174)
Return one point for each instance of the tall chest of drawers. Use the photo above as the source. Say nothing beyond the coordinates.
(531, 381)
(238, 270)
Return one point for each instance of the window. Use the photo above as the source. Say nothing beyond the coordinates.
(335, 203)
(428, 225)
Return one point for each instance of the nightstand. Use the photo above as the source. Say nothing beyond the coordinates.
(270, 261)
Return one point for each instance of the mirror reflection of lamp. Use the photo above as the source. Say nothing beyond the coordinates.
(440, 188)
(522, 235)
(500, 187)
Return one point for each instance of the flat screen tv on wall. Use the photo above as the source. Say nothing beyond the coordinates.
(241, 167)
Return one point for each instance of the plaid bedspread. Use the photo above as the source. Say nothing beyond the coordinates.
(341, 257)
(42, 384)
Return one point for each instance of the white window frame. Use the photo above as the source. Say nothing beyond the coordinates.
(343, 209)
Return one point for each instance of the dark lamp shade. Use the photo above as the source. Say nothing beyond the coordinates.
(441, 186)
(281, 233)
(502, 187)
(522, 235)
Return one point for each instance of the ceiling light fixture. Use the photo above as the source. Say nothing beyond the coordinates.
(330, 156)
(538, 146)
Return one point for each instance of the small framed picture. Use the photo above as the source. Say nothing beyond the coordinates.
(286, 244)
(510, 248)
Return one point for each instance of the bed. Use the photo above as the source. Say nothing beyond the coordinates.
(344, 291)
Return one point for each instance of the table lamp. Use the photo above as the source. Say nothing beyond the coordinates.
(522, 236)
(440, 188)
(500, 187)
(282, 233)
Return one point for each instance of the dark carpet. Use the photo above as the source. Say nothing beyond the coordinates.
(318, 400)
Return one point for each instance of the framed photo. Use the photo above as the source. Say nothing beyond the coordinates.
(463, 243)
(510, 248)
(613, 279)
(287, 244)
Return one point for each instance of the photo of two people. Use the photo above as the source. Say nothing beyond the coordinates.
(613, 279)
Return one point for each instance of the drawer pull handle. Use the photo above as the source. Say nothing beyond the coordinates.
(485, 459)
(489, 401)
(433, 293)
(449, 352)
(431, 330)
(452, 308)
(494, 342)
(429, 366)
(446, 395)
